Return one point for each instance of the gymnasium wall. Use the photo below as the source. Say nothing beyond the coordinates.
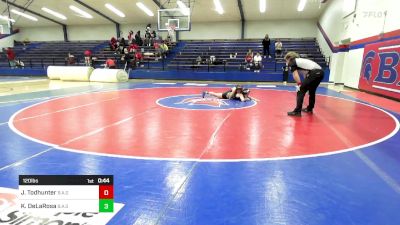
(200, 31)
(51, 33)
(281, 28)
(366, 25)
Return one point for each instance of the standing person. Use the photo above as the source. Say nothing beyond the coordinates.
(313, 75)
(171, 33)
(130, 37)
(88, 57)
(122, 42)
(138, 39)
(266, 43)
(113, 43)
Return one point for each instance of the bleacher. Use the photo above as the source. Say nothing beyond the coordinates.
(222, 50)
(43, 54)
(149, 56)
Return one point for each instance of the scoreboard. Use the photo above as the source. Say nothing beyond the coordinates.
(66, 193)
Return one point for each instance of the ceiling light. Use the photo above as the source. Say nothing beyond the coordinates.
(6, 18)
(115, 10)
(263, 6)
(80, 12)
(56, 14)
(301, 6)
(184, 9)
(24, 15)
(218, 7)
(145, 9)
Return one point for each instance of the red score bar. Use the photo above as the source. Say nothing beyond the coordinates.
(106, 192)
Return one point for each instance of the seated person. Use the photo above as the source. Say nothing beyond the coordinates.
(213, 59)
(138, 58)
(199, 60)
(257, 62)
(70, 59)
(164, 49)
(249, 60)
(19, 64)
(126, 58)
(157, 49)
(133, 47)
(235, 93)
(110, 64)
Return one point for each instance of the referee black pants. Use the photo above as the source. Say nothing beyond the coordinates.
(309, 84)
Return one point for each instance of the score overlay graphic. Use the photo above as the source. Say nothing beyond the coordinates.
(66, 193)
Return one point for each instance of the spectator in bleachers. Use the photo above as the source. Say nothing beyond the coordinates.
(25, 42)
(213, 59)
(139, 59)
(157, 50)
(249, 60)
(153, 37)
(11, 57)
(19, 64)
(120, 49)
(171, 38)
(122, 42)
(126, 58)
(70, 59)
(148, 28)
(110, 64)
(133, 47)
(147, 35)
(266, 43)
(278, 48)
(130, 37)
(257, 62)
(138, 39)
(113, 43)
(199, 60)
(88, 57)
(164, 49)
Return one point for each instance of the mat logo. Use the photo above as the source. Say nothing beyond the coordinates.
(10, 214)
(212, 102)
(380, 70)
(196, 102)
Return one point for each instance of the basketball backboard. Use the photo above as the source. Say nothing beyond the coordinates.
(173, 18)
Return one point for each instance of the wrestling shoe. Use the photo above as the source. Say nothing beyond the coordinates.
(204, 94)
(307, 110)
(294, 113)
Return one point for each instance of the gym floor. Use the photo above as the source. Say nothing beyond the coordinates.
(178, 158)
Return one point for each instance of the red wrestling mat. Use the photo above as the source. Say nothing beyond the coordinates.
(130, 123)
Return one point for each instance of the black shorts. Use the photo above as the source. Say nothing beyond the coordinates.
(225, 95)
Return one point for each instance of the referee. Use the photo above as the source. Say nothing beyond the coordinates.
(313, 75)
